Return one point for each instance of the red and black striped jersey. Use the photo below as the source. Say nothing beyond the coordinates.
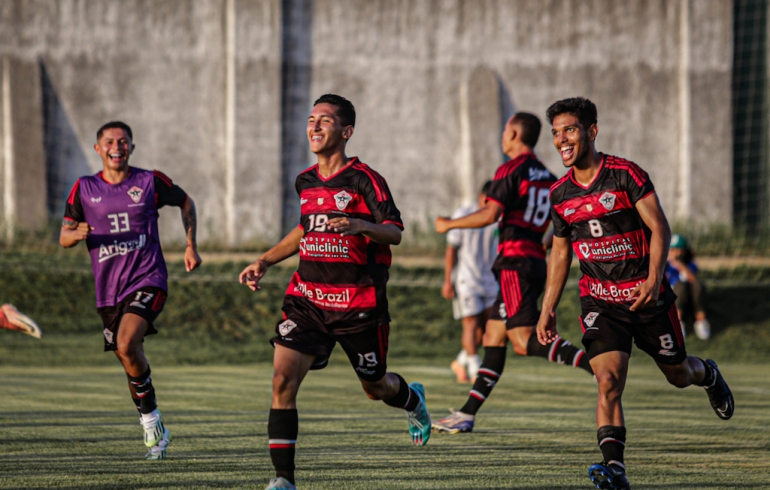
(608, 236)
(343, 274)
(521, 186)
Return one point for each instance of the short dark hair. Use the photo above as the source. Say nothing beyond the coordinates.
(345, 110)
(115, 125)
(580, 107)
(485, 187)
(530, 127)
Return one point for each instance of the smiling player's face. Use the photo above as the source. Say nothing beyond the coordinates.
(115, 148)
(572, 141)
(325, 131)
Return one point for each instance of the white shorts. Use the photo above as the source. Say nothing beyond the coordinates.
(465, 305)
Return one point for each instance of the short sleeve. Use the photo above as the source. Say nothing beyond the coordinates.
(637, 183)
(561, 228)
(503, 187)
(73, 208)
(379, 200)
(166, 192)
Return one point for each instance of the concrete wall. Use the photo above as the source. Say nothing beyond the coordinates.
(217, 92)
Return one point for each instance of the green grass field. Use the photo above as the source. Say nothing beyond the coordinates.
(75, 428)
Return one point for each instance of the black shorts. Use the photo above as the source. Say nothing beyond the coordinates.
(516, 303)
(661, 338)
(146, 302)
(367, 350)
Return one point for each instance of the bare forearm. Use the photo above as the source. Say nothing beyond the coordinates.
(68, 237)
(558, 272)
(284, 249)
(481, 218)
(190, 222)
(386, 234)
(450, 260)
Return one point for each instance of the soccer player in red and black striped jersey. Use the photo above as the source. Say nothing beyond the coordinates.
(605, 210)
(518, 198)
(348, 223)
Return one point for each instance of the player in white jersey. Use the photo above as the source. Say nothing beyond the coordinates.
(470, 283)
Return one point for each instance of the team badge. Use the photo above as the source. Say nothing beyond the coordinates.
(320, 201)
(342, 199)
(502, 312)
(96, 200)
(589, 208)
(108, 335)
(135, 193)
(286, 327)
(590, 318)
(608, 200)
(585, 249)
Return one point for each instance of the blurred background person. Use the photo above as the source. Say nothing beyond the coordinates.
(682, 273)
(470, 283)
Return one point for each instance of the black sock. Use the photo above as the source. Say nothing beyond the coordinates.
(560, 351)
(406, 397)
(138, 404)
(490, 371)
(612, 442)
(144, 391)
(282, 430)
(709, 377)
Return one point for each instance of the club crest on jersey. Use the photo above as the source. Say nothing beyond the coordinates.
(589, 208)
(96, 200)
(608, 200)
(590, 318)
(135, 193)
(285, 327)
(342, 199)
(585, 249)
(320, 201)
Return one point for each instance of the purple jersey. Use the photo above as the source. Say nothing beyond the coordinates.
(124, 244)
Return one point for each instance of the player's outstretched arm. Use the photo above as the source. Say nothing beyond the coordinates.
(190, 221)
(450, 261)
(487, 215)
(73, 233)
(558, 271)
(651, 212)
(384, 233)
(288, 246)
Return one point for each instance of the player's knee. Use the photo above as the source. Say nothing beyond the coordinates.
(125, 349)
(609, 383)
(519, 349)
(679, 378)
(283, 384)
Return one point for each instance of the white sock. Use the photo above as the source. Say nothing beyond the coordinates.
(473, 366)
(462, 358)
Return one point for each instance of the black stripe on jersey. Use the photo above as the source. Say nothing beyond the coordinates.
(510, 233)
(622, 222)
(609, 271)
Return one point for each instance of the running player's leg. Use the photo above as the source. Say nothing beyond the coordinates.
(663, 341)
(489, 373)
(368, 354)
(523, 290)
(473, 328)
(13, 319)
(289, 369)
(608, 346)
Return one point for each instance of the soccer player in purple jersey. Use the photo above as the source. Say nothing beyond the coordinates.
(606, 211)
(518, 201)
(338, 294)
(116, 213)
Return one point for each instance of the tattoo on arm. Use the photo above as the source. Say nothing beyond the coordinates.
(71, 225)
(190, 222)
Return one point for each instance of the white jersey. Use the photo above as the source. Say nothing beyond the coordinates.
(477, 250)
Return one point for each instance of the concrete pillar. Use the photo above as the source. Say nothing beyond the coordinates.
(22, 172)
